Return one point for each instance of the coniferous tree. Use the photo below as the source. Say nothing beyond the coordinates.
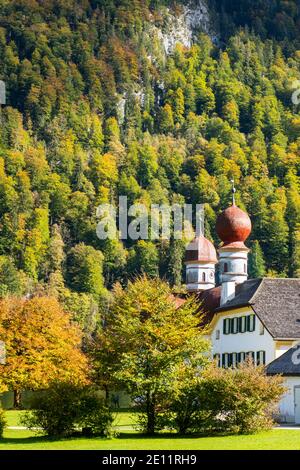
(257, 266)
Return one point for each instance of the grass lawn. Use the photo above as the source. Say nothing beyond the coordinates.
(277, 439)
(124, 418)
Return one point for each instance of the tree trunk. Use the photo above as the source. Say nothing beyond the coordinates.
(17, 399)
(150, 414)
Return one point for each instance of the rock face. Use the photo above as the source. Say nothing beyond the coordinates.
(181, 28)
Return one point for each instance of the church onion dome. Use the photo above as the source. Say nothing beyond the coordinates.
(233, 227)
(201, 250)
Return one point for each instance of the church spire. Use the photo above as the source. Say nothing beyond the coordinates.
(233, 192)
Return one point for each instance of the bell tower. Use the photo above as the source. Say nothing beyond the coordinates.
(233, 227)
(200, 260)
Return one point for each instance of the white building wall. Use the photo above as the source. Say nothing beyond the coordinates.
(287, 403)
(243, 342)
(255, 341)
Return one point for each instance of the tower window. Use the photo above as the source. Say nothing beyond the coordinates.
(225, 267)
(245, 268)
(192, 276)
(203, 277)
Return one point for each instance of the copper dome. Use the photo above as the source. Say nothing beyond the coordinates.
(201, 250)
(233, 225)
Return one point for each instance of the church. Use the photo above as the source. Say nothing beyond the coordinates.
(259, 318)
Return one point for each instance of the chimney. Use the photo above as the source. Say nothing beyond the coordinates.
(227, 292)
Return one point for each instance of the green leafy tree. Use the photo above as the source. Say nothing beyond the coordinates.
(144, 259)
(85, 269)
(151, 340)
(166, 124)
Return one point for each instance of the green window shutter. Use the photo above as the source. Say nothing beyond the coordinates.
(258, 357)
(251, 323)
(243, 324)
(241, 357)
(234, 359)
(225, 360)
(226, 326)
(235, 325)
(261, 358)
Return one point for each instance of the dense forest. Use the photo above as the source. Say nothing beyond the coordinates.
(96, 108)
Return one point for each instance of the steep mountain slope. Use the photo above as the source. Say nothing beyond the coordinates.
(152, 100)
(273, 18)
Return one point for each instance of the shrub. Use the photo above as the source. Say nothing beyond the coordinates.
(240, 400)
(95, 417)
(237, 401)
(64, 409)
(2, 421)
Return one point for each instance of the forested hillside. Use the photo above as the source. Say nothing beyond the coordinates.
(98, 107)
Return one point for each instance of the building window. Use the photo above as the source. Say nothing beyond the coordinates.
(225, 360)
(251, 355)
(251, 323)
(226, 326)
(203, 277)
(242, 324)
(192, 276)
(218, 334)
(245, 268)
(234, 359)
(234, 325)
(241, 357)
(261, 329)
(225, 267)
(260, 358)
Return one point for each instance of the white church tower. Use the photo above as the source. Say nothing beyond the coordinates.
(200, 260)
